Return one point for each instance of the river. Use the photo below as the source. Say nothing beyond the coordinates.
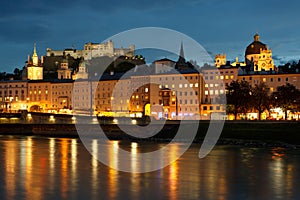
(61, 168)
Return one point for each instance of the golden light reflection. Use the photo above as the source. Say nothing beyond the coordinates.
(51, 162)
(10, 169)
(94, 163)
(278, 153)
(74, 164)
(135, 177)
(28, 175)
(112, 173)
(281, 173)
(64, 166)
(134, 158)
(173, 172)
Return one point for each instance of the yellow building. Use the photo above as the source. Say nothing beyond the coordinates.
(13, 95)
(34, 67)
(259, 56)
(61, 95)
(39, 95)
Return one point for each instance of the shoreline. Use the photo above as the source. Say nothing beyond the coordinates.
(243, 133)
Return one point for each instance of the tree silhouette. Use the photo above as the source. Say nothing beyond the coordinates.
(285, 97)
(238, 96)
(260, 98)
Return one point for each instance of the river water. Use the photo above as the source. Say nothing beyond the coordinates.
(61, 168)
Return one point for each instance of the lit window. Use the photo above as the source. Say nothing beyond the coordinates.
(191, 85)
(216, 85)
(206, 92)
(221, 91)
(221, 77)
(231, 77)
(211, 92)
(206, 85)
(166, 86)
(264, 79)
(186, 85)
(211, 85)
(216, 92)
(160, 86)
(180, 85)
(217, 77)
(173, 86)
(196, 84)
(226, 77)
(146, 89)
(271, 89)
(40, 92)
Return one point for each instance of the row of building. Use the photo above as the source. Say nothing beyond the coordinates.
(167, 89)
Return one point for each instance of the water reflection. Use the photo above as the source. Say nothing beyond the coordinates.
(49, 168)
(281, 173)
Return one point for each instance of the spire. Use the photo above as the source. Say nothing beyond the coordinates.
(181, 50)
(181, 60)
(35, 58)
(34, 50)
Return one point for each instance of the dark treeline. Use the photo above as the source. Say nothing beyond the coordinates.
(243, 98)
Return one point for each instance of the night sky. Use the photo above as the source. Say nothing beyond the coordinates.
(219, 26)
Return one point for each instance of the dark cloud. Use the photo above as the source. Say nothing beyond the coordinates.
(23, 31)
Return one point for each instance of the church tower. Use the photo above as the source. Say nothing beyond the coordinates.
(220, 59)
(259, 55)
(82, 72)
(63, 71)
(35, 58)
(181, 63)
(34, 67)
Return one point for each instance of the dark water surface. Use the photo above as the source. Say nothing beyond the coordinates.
(57, 168)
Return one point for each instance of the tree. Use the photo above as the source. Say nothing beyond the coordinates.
(238, 95)
(260, 98)
(17, 71)
(285, 97)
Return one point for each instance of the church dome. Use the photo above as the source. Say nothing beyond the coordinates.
(255, 46)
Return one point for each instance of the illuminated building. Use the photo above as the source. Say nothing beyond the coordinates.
(64, 72)
(259, 56)
(34, 67)
(94, 50)
(13, 95)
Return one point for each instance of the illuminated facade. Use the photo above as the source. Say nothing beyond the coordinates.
(13, 95)
(259, 56)
(64, 72)
(94, 50)
(34, 67)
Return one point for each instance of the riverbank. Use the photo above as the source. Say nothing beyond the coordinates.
(252, 133)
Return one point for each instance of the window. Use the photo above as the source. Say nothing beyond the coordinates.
(279, 79)
(204, 107)
(286, 79)
(211, 108)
